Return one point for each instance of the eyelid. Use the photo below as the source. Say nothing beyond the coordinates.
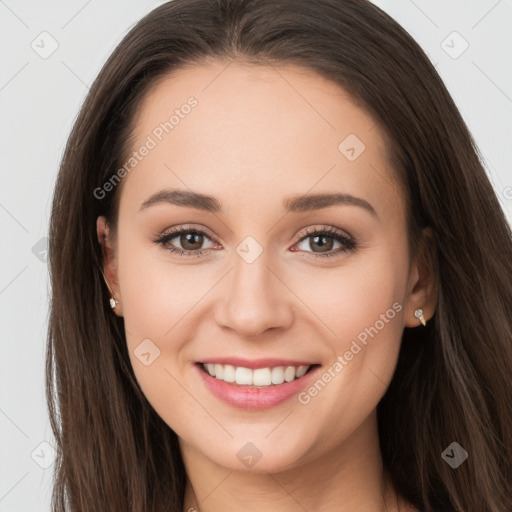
(323, 229)
(187, 227)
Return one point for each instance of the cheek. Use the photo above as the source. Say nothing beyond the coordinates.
(352, 299)
(363, 309)
(156, 292)
(156, 297)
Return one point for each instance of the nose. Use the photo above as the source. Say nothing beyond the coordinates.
(255, 298)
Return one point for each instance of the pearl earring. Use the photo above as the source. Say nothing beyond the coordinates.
(419, 314)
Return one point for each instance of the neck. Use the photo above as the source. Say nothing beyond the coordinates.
(346, 478)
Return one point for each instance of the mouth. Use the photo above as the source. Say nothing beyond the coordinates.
(257, 388)
(263, 377)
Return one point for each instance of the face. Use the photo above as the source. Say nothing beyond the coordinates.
(258, 277)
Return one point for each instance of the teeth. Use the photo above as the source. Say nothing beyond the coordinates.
(259, 377)
(301, 370)
(289, 374)
(278, 375)
(262, 377)
(229, 373)
(243, 376)
(219, 371)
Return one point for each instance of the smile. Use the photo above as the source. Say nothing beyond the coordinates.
(255, 388)
(259, 377)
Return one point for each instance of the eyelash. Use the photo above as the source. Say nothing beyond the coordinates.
(348, 242)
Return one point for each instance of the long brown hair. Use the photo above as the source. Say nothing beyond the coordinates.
(452, 381)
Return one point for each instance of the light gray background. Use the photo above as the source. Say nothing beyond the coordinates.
(39, 100)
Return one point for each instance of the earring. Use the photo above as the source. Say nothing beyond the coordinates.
(113, 301)
(419, 314)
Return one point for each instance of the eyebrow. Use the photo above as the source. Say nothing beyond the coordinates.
(298, 203)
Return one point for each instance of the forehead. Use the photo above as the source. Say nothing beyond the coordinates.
(279, 130)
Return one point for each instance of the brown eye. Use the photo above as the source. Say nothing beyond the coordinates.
(192, 240)
(185, 241)
(322, 243)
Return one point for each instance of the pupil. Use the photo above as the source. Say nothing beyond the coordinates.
(189, 240)
(321, 240)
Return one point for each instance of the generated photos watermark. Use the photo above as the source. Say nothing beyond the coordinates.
(304, 397)
(152, 141)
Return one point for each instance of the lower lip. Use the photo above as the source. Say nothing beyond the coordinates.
(246, 397)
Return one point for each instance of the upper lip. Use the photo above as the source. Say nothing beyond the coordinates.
(267, 362)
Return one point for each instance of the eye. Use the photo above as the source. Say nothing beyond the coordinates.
(190, 241)
(324, 240)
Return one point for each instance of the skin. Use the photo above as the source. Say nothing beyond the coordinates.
(260, 134)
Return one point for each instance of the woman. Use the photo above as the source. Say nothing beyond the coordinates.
(280, 276)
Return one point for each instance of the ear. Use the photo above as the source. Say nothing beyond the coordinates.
(109, 262)
(423, 279)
